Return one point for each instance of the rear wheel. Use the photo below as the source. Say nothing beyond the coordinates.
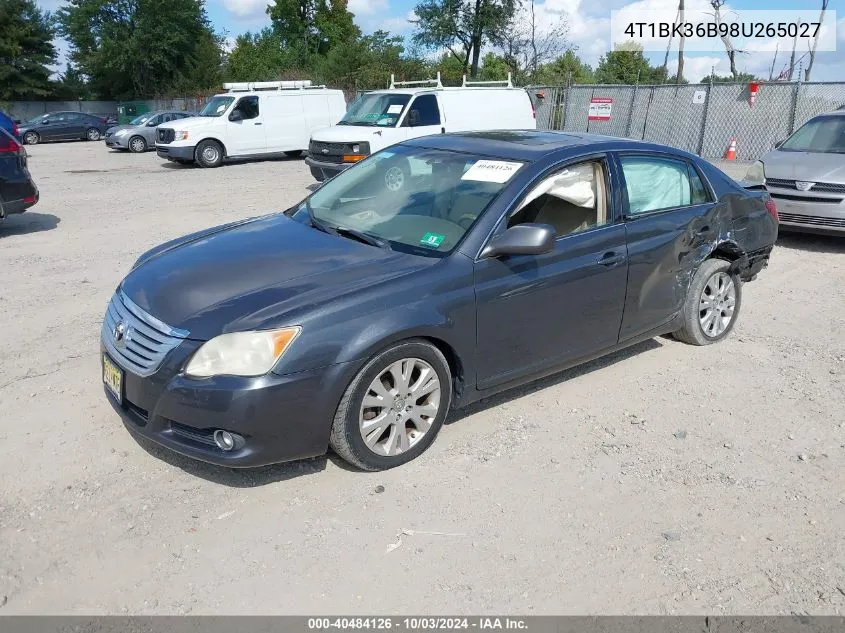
(294, 153)
(712, 304)
(137, 144)
(93, 134)
(393, 409)
(31, 138)
(209, 154)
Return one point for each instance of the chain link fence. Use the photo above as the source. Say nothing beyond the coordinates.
(699, 118)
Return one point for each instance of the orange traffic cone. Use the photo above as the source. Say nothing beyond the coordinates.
(731, 153)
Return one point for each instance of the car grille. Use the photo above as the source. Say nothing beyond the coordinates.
(812, 219)
(334, 152)
(823, 187)
(166, 135)
(804, 198)
(144, 340)
(200, 436)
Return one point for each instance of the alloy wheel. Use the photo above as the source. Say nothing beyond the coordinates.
(716, 304)
(394, 179)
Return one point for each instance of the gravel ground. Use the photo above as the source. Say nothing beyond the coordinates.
(663, 479)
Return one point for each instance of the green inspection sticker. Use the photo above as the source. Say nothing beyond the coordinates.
(432, 240)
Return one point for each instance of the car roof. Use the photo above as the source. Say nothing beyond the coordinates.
(531, 145)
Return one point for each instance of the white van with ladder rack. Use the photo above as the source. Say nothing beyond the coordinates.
(409, 109)
(252, 119)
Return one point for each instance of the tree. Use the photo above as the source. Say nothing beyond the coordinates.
(312, 27)
(257, 57)
(72, 85)
(679, 77)
(726, 39)
(566, 69)
(815, 43)
(140, 48)
(628, 65)
(463, 27)
(26, 50)
(527, 45)
(728, 79)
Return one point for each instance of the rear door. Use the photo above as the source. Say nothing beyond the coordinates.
(423, 117)
(247, 136)
(667, 206)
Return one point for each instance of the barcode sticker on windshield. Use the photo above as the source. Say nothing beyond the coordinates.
(396, 108)
(491, 171)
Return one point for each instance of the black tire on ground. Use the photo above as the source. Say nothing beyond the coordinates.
(137, 144)
(209, 154)
(346, 438)
(695, 309)
(93, 134)
(294, 153)
(31, 138)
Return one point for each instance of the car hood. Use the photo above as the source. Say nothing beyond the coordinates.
(117, 128)
(809, 166)
(348, 133)
(257, 275)
(193, 122)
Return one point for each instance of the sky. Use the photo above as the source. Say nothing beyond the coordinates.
(589, 28)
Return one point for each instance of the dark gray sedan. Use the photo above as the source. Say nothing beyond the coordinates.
(140, 134)
(432, 274)
(63, 126)
(805, 174)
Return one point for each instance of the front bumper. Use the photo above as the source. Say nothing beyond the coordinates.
(117, 142)
(322, 170)
(281, 418)
(815, 214)
(176, 152)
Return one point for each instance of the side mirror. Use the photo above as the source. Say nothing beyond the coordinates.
(413, 118)
(522, 239)
(152, 123)
(779, 143)
(236, 115)
(45, 121)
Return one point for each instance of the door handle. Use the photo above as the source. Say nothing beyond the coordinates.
(611, 259)
(258, 123)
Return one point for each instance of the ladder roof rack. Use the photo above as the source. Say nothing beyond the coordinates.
(425, 82)
(502, 82)
(251, 86)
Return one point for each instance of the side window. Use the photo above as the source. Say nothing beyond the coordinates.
(571, 200)
(424, 111)
(248, 107)
(156, 120)
(72, 118)
(656, 183)
(700, 193)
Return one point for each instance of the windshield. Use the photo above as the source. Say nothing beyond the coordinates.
(382, 110)
(140, 120)
(824, 135)
(217, 106)
(417, 200)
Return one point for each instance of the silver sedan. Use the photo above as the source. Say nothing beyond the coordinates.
(140, 134)
(805, 174)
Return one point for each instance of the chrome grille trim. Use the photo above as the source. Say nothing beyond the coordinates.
(823, 187)
(147, 340)
(812, 219)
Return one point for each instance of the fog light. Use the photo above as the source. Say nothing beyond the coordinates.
(224, 440)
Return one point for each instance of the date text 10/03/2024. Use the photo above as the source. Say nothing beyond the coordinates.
(417, 623)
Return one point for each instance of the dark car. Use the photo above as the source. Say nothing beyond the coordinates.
(437, 272)
(63, 126)
(10, 124)
(17, 191)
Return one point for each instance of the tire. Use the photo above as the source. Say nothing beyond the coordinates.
(31, 138)
(294, 153)
(93, 134)
(398, 438)
(209, 154)
(137, 145)
(712, 304)
(396, 176)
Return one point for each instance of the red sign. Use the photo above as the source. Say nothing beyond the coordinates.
(600, 108)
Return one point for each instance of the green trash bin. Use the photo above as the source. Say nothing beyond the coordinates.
(128, 110)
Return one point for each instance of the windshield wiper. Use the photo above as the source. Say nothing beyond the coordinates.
(317, 224)
(361, 236)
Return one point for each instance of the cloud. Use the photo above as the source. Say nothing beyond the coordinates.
(367, 7)
(246, 8)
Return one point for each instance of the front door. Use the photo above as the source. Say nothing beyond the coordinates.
(536, 312)
(246, 136)
(423, 117)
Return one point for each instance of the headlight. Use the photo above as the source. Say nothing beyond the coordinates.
(241, 353)
(756, 174)
(121, 133)
(182, 135)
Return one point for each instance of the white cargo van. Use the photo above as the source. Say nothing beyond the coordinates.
(410, 109)
(252, 119)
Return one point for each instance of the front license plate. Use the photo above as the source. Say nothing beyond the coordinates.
(113, 378)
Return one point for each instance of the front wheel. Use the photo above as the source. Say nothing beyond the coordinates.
(31, 138)
(209, 154)
(93, 134)
(712, 304)
(137, 145)
(393, 409)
